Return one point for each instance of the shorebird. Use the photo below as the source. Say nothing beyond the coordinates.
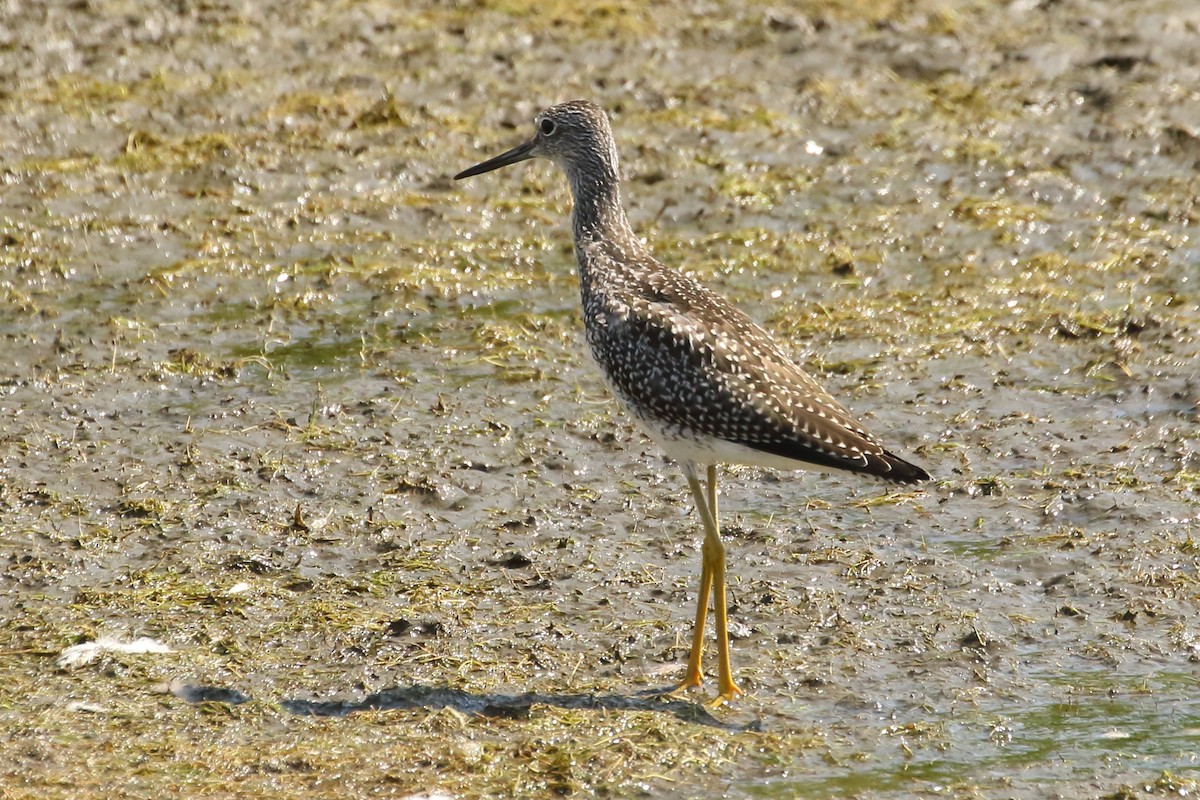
(704, 380)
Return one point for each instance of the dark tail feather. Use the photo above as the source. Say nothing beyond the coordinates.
(898, 470)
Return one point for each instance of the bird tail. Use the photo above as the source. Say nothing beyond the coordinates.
(898, 470)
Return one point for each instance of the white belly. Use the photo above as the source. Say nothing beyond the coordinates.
(684, 447)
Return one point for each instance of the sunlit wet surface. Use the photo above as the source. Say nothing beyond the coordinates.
(286, 398)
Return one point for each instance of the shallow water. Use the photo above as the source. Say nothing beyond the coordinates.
(287, 398)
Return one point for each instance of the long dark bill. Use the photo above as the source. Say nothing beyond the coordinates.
(521, 152)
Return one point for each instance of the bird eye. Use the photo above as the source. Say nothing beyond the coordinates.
(547, 127)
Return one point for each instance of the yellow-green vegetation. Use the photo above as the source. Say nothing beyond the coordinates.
(283, 397)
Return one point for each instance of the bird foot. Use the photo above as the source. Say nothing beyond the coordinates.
(691, 681)
(727, 695)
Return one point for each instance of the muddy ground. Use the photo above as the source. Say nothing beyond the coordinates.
(281, 396)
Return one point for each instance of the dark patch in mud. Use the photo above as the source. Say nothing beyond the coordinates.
(508, 706)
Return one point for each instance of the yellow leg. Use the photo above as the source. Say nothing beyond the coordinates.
(712, 577)
(695, 675)
(726, 689)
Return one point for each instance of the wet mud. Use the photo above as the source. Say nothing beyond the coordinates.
(281, 396)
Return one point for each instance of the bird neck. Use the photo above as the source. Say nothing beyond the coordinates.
(597, 213)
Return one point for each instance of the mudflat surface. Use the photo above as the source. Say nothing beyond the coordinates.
(281, 396)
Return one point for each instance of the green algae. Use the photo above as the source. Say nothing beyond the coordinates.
(293, 402)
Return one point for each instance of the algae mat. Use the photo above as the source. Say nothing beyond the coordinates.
(305, 433)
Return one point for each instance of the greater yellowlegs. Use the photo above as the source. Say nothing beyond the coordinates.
(704, 380)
